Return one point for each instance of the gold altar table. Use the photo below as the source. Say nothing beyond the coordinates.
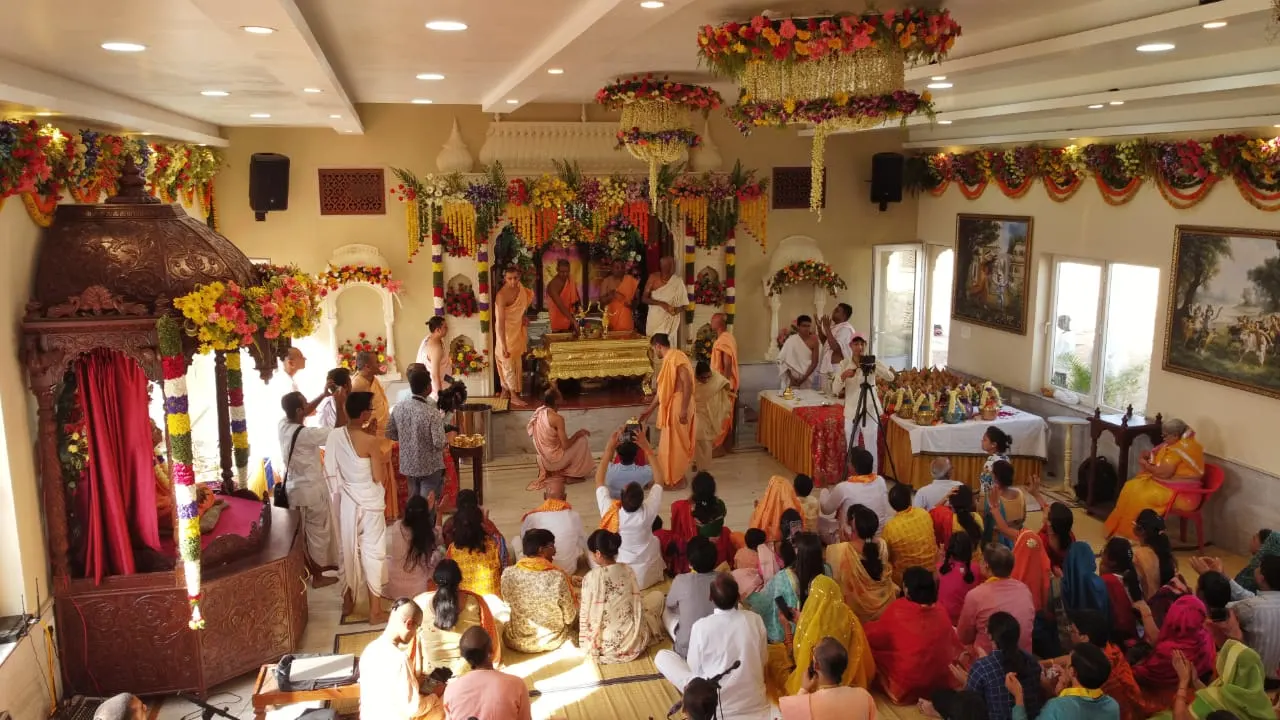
(619, 355)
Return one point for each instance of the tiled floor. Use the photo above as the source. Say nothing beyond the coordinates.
(740, 479)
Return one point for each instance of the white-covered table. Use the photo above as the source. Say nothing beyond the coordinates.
(913, 447)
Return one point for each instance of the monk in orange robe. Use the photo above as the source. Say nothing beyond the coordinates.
(562, 294)
(511, 336)
(368, 367)
(674, 404)
(617, 295)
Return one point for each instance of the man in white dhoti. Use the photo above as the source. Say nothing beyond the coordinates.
(305, 484)
(713, 405)
(836, 335)
(667, 298)
(798, 359)
(353, 457)
(848, 383)
(433, 355)
(717, 641)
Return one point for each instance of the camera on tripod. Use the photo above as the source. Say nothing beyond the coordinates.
(867, 364)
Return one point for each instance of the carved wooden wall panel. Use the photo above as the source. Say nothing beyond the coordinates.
(149, 627)
(250, 611)
(791, 188)
(357, 191)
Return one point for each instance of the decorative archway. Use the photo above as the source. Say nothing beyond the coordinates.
(793, 249)
(362, 256)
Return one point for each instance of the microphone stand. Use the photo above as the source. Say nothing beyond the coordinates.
(715, 682)
(207, 711)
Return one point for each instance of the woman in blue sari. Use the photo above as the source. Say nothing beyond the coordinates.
(803, 562)
(1006, 505)
(1082, 587)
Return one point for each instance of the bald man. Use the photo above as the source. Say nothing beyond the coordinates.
(389, 685)
(485, 692)
(667, 298)
(824, 696)
(121, 707)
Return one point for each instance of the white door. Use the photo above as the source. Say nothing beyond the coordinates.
(897, 304)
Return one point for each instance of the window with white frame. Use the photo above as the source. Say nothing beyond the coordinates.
(1102, 330)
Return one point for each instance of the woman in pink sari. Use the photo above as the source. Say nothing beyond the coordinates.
(561, 458)
(1183, 630)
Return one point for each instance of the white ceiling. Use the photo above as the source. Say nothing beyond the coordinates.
(1022, 70)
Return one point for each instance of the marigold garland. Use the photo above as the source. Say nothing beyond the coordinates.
(174, 366)
(482, 285)
(807, 271)
(239, 426)
(437, 274)
(337, 276)
(730, 279)
(689, 258)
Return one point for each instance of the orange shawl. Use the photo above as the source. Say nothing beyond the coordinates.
(541, 564)
(610, 520)
(551, 505)
(779, 496)
(1031, 565)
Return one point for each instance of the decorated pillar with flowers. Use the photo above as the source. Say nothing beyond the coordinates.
(437, 274)
(730, 281)
(482, 285)
(239, 426)
(178, 425)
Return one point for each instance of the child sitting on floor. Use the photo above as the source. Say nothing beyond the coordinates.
(746, 563)
(810, 508)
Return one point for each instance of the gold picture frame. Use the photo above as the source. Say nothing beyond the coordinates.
(1223, 315)
(992, 279)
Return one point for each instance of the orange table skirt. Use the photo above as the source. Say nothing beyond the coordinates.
(807, 440)
(914, 469)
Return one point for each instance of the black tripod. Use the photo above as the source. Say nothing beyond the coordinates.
(863, 412)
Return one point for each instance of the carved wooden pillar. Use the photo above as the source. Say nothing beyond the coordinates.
(224, 420)
(44, 371)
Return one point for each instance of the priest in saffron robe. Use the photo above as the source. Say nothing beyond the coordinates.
(617, 295)
(511, 335)
(667, 298)
(368, 368)
(562, 295)
(714, 402)
(352, 459)
(561, 458)
(673, 403)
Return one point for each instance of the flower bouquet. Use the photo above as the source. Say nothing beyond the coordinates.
(348, 350)
(467, 360)
(810, 271)
(460, 301)
(708, 290)
(621, 242)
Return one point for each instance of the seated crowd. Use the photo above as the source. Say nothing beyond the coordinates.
(944, 598)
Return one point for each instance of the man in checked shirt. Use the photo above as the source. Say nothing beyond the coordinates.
(418, 425)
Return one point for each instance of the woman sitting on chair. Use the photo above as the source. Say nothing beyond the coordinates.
(1174, 464)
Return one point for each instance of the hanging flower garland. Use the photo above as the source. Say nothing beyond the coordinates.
(730, 279)
(178, 425)
(689, 258)
(337, 276)
(482, 285)
(807, 271)
(460, 302)
(284, 303)
(620, 242)
(239, 426)
(437, 275)
(73, 433)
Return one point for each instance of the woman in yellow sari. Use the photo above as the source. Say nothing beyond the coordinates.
(1178, 462)
(861, 565)
(825, 614)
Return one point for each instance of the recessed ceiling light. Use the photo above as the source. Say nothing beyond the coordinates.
(446, 26)
(944, 122)
(1156, 47)
(260, 116)
(513, 101)
(1099, 106)
(938, 85)
(555, 71)
(312, 90)
(429, 76)
(335, 117)
(257, 29)
(420, 101)
(1276, 125)
(1117, 102)
(144, 134)
(1214, 25)
(123, 47)
(348, 131)
(44, 114)
(652, 4)
(214, 93)
(938, 78)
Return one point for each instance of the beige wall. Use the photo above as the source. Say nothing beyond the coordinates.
(411, 137)
(1231, 423)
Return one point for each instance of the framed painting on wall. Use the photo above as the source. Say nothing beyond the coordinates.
(1224, 307)
(990, 283)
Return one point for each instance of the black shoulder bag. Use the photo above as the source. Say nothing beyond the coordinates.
(281, 496)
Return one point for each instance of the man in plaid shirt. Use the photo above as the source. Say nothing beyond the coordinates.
(418, 425)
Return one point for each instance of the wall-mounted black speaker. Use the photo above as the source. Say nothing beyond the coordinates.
(268, 184)
(886, 178)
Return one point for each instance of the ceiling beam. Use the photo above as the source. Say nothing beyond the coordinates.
(24, 85)
(1189, 126)
(593, 30)
(291, 54)
(1223, 9)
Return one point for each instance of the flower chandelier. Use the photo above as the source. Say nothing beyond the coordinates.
(655, 124)
(842, 72)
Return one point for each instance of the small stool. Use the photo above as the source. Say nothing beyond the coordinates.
(1069, 422)
(266, 693)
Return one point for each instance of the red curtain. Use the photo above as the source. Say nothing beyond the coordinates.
(116, 502)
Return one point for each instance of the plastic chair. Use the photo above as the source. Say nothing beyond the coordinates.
(1213, 478)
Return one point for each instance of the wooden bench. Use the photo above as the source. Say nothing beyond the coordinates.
(266, 693)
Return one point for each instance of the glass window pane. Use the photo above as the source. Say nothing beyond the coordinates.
(940, 298)
(1077, 291)
(1131, 321)
(894, 323)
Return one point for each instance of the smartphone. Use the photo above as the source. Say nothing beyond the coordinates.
(783, 607)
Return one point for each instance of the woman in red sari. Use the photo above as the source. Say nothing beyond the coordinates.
(1123, 589)
(913, 642)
